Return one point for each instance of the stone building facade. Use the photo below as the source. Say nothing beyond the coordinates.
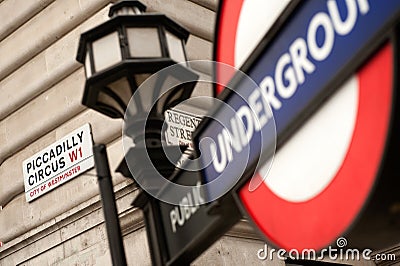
(41, 87)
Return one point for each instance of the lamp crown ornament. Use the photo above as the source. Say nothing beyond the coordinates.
(126, 7)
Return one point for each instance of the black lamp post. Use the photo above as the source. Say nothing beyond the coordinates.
(119, 55)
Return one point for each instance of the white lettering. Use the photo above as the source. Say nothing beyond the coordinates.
(257, 107)
(364, 6)
(298, 52)
(228, 144)
(173, 219)
(268, 90)
(219, 166)
(289, 90)
(262, 251)
(343, 27)
(182, 213)
(237, 134)
(320, 20)
(245, 112)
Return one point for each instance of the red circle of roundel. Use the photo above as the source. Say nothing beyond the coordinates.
(227, 23)
(319, 221)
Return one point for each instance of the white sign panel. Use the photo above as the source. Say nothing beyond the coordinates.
(180, 127)
(58, 163)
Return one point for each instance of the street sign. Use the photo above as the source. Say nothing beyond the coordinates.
(180, 127)
(190, 228)
(58, 163)
(179, 233)
(307, 59)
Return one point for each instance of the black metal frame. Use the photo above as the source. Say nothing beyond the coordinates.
(129, 65)
(128, 69)
(126, 3)
(116, 24)
(98, 82)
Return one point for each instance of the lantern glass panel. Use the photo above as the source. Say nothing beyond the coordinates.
(88, 68)
(175, 46)
(144, 42)
(106, 51)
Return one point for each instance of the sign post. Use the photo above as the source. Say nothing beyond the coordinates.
(110, 211)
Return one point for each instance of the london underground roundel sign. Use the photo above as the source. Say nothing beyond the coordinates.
(327, 71)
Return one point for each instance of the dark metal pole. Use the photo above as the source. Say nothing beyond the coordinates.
(109, 207)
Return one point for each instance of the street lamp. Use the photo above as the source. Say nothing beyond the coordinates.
(121, 53)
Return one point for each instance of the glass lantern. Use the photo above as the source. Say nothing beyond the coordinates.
(121, 53)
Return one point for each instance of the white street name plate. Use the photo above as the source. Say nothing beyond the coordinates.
(180, 127)
(58, 163)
